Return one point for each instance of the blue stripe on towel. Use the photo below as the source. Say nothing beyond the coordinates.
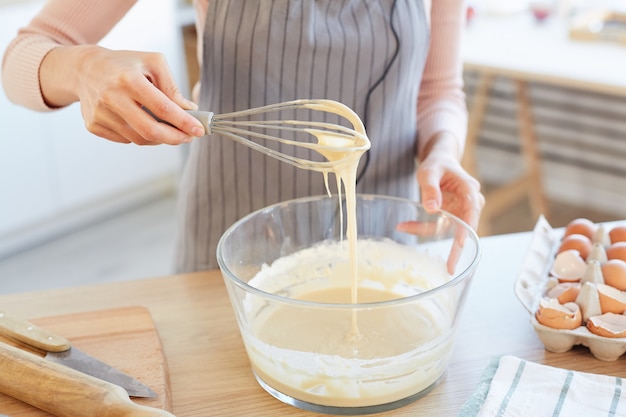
(564, 390)
(478, 397)
(616, 396)
(514, 384)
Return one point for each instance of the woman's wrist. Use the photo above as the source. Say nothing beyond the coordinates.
(60, 71)
(441, 143)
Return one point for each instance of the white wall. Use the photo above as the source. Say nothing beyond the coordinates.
(54, 175)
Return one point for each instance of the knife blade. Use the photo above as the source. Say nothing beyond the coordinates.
(60, 350)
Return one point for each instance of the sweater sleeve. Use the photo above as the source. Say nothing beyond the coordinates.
(441, 104)
(60, 22)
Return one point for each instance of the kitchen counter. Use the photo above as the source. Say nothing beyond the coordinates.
(519, 47)
(209, 370)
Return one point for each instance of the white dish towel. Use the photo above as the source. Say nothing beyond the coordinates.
(513, 387)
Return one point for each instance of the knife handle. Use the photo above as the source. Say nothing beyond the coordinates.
(32, 335)
(62, 391)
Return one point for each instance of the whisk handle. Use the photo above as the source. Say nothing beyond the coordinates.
(204, 117)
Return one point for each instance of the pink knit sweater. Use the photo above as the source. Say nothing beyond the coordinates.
(67, 22)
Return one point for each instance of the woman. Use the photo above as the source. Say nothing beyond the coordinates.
(395, 62)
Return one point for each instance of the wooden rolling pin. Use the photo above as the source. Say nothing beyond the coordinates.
(62, 391)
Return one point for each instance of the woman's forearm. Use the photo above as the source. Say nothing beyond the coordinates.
(442, 142)
(441, 106)
(59, 23)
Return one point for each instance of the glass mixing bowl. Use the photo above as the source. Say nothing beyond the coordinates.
(324, 340)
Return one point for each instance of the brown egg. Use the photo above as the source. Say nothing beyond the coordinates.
(608, 325)
(568, 266)
(612, 300)
(578, 242)
(581, 226)
(617, 251)
(559, 316)
(614, 273)
(569, 295)
(618, 234)
(565, 292)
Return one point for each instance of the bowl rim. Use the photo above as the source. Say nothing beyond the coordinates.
(466, 274)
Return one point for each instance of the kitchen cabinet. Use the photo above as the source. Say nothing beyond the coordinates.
(54, 175)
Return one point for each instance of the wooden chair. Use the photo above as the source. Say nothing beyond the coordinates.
(529, 184)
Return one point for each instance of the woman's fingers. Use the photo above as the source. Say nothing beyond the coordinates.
(476, 202)
(434, 228)
(445, 185)
(157, 91)
(117, 86)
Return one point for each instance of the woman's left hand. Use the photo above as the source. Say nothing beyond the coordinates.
(445, 185)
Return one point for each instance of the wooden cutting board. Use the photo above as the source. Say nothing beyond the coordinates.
(125, 338)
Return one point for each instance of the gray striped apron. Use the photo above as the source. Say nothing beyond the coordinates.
(259, 52)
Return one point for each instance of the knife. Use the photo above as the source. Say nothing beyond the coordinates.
(59, 350)
(63, 391)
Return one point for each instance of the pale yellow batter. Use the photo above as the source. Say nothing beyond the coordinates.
(311, 353)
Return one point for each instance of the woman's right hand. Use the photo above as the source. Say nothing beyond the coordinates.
(112, 87)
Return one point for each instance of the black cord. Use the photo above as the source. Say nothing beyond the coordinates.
(377, 83)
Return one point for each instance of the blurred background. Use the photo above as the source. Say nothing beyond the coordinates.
(545, 87)
(547, 99)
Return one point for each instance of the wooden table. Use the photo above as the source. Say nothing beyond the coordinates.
(519, 48)
(210, 373)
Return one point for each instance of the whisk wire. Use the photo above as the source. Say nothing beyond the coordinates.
(287, 105)
(244, 128)
(292, 160)
(286, 125)
(325, 134)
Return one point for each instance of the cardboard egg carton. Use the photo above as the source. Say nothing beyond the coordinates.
(531, 285)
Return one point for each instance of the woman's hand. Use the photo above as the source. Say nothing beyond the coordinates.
(445, 185)
(112, 87)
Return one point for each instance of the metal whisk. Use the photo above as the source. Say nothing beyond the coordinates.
(337, 143)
